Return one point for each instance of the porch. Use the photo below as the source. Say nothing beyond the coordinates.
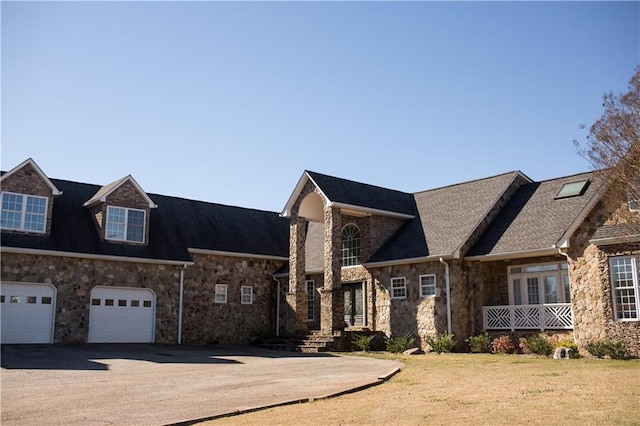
(549, 316)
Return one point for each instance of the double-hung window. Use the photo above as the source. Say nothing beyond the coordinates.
(221, 293)
(427, 285)
(625, 289)
(23, 212)
(246, 295)
(398, 288)
(125, 224)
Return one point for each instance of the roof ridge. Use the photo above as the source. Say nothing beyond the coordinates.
(473, 181)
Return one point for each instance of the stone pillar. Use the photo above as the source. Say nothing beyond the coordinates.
(332, 305)
(297, 295)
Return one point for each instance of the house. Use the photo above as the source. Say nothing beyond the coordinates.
(504, 254)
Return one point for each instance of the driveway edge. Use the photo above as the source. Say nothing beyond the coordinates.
(377, 382)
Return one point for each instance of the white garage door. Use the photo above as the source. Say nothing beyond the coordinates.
(27, 312)
(122, 315)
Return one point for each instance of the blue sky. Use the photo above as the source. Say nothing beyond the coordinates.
(230, 102)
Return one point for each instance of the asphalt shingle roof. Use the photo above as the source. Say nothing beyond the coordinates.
(176, 225)
(533, 219)
(346, 191)
(447, 218)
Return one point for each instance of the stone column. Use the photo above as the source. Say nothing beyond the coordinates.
(297, 297)
(332, 305)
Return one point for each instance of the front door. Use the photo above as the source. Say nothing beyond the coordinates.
(353, 304)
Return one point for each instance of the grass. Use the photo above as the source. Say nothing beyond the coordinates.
(478, 389)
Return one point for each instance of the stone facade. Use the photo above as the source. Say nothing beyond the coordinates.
(74, 278)
(204, 322)
(207, 322)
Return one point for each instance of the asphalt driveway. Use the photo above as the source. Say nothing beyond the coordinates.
(136, 384)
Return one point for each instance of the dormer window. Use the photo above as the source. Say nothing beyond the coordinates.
(22, 212)
(124, 224)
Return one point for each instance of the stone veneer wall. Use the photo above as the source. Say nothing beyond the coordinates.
(28, 181)
(74, 278)
(207, 322)
(204, 321)
(594, 317)
(416, 315)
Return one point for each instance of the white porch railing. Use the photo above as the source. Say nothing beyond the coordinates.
(521, 317)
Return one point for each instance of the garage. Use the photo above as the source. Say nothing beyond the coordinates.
(122, 315)
(27, 312)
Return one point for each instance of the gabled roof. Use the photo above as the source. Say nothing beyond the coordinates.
(30, 162)
(175, 227)
(356, 196)
(101, 195)
(447, 218)
(534, 219)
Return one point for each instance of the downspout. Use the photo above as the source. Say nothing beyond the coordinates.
(277, 305)
(448, 293)
(180, 303)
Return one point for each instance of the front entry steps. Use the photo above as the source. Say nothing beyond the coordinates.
(312, 342)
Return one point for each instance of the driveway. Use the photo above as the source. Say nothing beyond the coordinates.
(137, 384)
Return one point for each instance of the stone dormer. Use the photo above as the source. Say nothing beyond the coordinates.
(27, 199)
(121, 211)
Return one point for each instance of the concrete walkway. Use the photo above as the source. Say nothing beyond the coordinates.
(166, 384)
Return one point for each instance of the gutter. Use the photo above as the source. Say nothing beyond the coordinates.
(277, 305)
(448, 293)
(180, 301)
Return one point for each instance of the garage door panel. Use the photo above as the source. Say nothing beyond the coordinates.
(121, 315)
(27, 312)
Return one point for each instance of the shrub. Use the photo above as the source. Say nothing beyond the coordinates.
(480, 343)
(362, 341)
(399, 344)
(503, 345)
(538, 344)
(442, 343)
(608, 348)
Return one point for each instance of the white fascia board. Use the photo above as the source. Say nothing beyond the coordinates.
(236, 254)
(514, 255)
(369, 211)
(40, 252)
(286, 212)
(54, 190)
(117, 184)
(407, 261)
(615, 240)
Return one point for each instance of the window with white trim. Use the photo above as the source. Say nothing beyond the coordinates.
(624, 286)
(544, 283)
(427, 285)
(350, 245)
(398, 288)
(221, 293)
(22, 212)
(311, 294)
(246, 295)
(124, 224)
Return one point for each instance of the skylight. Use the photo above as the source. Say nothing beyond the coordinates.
(573, 189)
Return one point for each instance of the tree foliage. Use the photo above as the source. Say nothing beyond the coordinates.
(613, 143)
